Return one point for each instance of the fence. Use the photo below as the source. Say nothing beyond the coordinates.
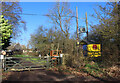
(29, 63)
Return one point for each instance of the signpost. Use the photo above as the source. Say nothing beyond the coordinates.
(92, 50)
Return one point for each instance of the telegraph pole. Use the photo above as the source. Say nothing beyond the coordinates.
(0, 27)
(87, 26)
(77, 29)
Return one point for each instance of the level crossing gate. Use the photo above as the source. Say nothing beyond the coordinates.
(29, 63)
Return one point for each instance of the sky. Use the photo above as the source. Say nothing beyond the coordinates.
(41, 8)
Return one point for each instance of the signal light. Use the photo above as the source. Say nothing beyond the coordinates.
(94, 47)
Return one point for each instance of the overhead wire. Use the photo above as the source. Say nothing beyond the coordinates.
(44, 15)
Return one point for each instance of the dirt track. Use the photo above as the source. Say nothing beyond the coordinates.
(44, 75)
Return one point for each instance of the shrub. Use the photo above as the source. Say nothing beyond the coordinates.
(75, 61)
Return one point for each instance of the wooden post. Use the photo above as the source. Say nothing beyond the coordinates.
(63, 60)
(57, 48)
(87, 26)
(47, 61)
(4, 62)
(77, 29)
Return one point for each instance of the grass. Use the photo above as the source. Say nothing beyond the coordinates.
(21, 56)
(36, 60)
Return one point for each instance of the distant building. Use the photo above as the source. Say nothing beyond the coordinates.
(17, 47)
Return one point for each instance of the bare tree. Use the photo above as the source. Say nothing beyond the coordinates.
(61, 16)
(12, 11)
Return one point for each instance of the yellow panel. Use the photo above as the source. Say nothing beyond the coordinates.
(90, 47)
(94, 54)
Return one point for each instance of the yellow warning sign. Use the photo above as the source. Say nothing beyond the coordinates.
(94, 50)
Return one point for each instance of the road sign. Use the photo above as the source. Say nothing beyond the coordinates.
(94, 50)
(94, 47)
(82, 29)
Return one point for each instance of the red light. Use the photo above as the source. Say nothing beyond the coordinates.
(94, 47)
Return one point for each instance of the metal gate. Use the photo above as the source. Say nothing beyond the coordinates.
(30, 63)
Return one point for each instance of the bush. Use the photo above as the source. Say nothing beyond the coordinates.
(75, 61)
